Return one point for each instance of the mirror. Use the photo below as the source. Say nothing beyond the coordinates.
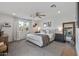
(69, 32)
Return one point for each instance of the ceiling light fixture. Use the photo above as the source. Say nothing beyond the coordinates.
(59, 11)
(13, 14)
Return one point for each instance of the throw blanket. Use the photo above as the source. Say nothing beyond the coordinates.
(45, 39)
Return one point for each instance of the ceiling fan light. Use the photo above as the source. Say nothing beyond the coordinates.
(13, 14)
(59, 11)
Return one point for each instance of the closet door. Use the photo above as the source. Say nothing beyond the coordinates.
(15, 24)
(23, 28)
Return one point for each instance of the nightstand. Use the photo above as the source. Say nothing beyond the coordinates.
(59, 37)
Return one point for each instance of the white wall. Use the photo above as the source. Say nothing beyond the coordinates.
(68, 13)
(7, 30)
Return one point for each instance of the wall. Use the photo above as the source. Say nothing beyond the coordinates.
(68, 13)
(7, 30)
(77, 41)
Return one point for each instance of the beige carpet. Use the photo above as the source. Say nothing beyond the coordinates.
(24, 48)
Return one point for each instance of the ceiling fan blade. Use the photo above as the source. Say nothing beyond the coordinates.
(39, 16)
(42, 15)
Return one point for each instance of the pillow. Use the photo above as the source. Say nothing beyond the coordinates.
(1, 43)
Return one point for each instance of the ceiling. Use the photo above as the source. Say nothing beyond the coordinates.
(67, 9)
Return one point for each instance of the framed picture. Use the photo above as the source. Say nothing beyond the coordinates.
(47, 24)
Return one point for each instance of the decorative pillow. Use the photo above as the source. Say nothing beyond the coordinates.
(1, 43)
(3, 48)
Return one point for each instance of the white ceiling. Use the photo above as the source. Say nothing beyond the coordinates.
(68, 9)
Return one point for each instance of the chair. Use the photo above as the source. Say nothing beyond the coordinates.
(3, 44)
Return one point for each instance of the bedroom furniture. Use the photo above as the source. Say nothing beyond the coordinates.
(59, 37)
(3, 44)
(35, 39)
(69, 32)
(40, 39)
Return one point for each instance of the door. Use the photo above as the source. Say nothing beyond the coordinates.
(22, 28)
(69, 32)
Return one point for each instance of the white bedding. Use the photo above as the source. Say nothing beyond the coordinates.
(36, 39)
(51, 36)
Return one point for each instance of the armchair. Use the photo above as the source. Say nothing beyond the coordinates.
(3, 44)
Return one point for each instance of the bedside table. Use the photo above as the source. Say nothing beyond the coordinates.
(59, 37)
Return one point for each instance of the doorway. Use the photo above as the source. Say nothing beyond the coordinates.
(23, 27)
(69, 32)
(20, 28)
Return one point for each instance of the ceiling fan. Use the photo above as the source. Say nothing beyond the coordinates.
(53, 5)
(38, 14)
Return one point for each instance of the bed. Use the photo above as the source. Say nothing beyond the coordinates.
(40, 39)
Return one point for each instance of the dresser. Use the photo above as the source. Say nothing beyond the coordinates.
(59, 37)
